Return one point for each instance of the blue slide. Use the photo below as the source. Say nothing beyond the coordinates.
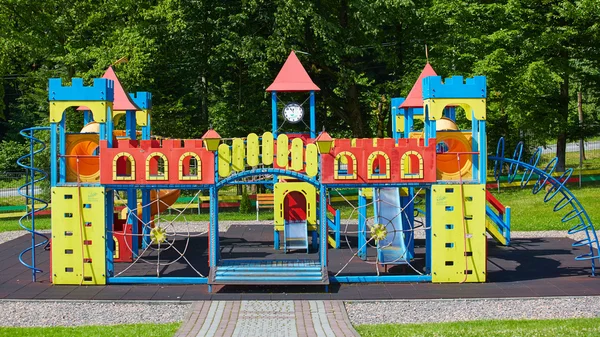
(388, 206)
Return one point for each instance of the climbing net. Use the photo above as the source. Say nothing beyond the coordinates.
(161, 235)
(380, 232)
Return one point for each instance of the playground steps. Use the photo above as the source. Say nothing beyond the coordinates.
(497, 223)
(290, 272)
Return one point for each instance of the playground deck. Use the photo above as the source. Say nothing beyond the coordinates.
(528, 268)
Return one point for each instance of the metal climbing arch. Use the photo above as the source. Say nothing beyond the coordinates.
(576, 213)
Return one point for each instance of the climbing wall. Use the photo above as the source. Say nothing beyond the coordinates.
(458, 238)
(78, 243)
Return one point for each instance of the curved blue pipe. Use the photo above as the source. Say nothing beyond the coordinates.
(31, 199)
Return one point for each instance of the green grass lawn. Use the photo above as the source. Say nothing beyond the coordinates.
(530, 213)
(496, 328)
(142, 330)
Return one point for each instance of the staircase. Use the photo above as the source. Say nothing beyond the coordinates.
(497, 223)
(285, 272)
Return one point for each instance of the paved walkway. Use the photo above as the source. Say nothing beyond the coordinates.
(267, 318)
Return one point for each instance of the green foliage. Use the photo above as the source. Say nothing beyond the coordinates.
(491, 328)
(10, 151)
(245, 204)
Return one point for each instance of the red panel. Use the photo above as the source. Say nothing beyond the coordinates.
(122, 233)
(294, 206)
(172, 149)
(364, 148)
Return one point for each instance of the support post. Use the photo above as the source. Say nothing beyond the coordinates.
(323, 225)
(313, 120)
(274, 114)
(53, 157)
(62, 149)
(109, 242)
(428, 230)
(132, 221)
(362, 225)
(213, 231)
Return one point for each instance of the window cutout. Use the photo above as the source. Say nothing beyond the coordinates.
(345, 166)
(68, 196)
(468, 198)
(449, 190)
(87, 242)
(468, 253)
(157, 167)
(68, 233)
(449, 263)
(87, 205)
(449, 245)
(87, 278)
(378, 165)
(68, 251)
(449, 208)
(68, 269)
(87, 224)
(449, 226)
(68, 215)
(468, 217)
(411, 165)
(468, 272)
(190, 166)
(123, 166)
(87, 260)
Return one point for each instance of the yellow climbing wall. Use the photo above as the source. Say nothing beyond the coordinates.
(78, 243)
(458, 247)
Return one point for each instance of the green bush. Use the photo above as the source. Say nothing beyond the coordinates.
(10, 151)
(245, 204)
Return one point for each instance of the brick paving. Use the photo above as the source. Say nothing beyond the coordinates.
(267, 318)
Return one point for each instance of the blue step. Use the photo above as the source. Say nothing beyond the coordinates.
(295, 272)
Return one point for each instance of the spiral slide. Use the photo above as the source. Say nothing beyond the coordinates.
(88, 168)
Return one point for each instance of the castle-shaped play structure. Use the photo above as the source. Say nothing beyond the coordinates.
(431, 180)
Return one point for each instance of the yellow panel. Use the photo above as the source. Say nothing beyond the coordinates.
(476, 105)
(399, 123)
(312, 160)
(78, 244)
(452, 259)
(252, 150)
(310, 193)
(297, 154)
(224, 160)
(237, 158)
(267, 148)
(141, 118)
(99, 109)
(282, 150)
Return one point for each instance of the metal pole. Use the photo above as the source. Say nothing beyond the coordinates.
(32, 177)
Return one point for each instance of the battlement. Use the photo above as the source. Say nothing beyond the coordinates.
(454, 87)
(142, 99)
(168, 162)
(379, 161)
(101, 90)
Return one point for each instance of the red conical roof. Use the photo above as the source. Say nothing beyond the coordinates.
(292, 77)
(415, 96)
(122, 101)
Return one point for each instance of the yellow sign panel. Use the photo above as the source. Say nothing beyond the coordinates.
(252, 150)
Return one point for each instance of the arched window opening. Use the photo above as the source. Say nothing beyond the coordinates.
(412, 165)
(190, 167)
(123, 167)
(378, 165)
(345, 166)
(157, 167)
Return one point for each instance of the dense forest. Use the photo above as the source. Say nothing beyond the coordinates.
(209, 61)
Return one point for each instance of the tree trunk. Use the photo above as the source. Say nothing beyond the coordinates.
(352, 109)
(561, 141)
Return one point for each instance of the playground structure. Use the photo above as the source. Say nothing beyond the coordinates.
(95, 242)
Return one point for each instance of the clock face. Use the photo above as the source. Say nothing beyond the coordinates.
(293, 112)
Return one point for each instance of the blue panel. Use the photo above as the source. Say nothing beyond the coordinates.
(396, 111)
(101, 90)
(142, 99)
(381, 278)
(454, 87)
(274, 114)
(156, 280)
(110, 244)
(362, 226)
